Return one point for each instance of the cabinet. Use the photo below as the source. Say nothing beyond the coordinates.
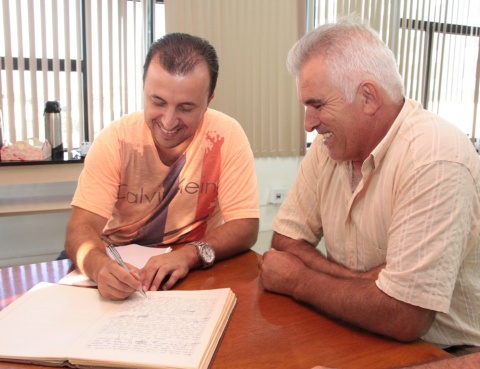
(34, 209)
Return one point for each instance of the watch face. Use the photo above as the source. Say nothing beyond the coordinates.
(208, 254)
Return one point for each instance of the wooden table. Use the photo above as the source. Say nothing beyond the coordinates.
(266, 330)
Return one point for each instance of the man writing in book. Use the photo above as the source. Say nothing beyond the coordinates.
(177, 174)
(393, 189)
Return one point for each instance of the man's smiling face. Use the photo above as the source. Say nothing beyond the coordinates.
(327, 111)
(174, 106)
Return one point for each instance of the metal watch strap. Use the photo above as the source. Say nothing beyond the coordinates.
(200, 246)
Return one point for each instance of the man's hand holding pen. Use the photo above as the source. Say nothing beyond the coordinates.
(117, 280)
(119, 260)
(115, 283)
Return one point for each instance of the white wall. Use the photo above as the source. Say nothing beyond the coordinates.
(31, 237)
(272, 173)
(34, 236)
(33, 218)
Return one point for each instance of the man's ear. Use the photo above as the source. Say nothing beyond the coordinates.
(211, 98)
(371, 97)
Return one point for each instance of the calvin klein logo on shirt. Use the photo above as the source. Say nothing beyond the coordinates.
(141, 196)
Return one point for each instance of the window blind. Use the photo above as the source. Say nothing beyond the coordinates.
(252, 39)
(436, 43)
(88, 54)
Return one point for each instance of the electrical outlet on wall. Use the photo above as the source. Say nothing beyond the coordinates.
(277, 195)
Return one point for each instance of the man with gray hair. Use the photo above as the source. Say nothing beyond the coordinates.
(394, 191)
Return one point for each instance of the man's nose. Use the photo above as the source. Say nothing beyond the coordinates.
(309, 123)
(169, 120)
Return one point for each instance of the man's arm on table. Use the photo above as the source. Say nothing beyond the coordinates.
(299, 270)
(230, 238)
(86, 249)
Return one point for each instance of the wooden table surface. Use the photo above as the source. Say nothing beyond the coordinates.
(265, 331)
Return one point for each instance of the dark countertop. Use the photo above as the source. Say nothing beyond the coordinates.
(69, 157)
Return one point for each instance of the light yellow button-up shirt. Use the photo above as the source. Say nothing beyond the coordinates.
(417, 209)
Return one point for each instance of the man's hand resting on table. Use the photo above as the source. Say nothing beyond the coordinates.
(164, 271)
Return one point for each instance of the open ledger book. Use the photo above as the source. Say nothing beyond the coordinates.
(59, 325)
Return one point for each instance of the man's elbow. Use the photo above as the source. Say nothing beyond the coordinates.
(408, 334)
(250, 227)
(412, 329)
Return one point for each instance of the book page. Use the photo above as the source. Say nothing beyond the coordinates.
(176, 329)
(134, 254)
(43, 322)
(172, 328)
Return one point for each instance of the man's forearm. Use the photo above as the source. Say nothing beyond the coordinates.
(360, 302)
(86, 252)
(304, 273)
(83, 243)
(233, 237)
(314, 259)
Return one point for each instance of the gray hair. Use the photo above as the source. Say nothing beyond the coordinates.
(353, 53)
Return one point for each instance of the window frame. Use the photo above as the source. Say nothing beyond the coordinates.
(83, 69)
(430, 28)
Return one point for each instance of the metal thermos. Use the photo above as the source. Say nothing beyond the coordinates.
(53, 128)
(1, 128)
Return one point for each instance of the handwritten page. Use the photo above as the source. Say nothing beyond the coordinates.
(170, 329)
(182, 321)
(134, 254)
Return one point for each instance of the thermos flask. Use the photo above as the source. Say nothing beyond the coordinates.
(53, 128)
(1, 128)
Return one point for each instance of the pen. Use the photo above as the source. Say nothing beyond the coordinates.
(119, 260)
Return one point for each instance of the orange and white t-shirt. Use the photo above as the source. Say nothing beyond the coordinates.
(149, 203)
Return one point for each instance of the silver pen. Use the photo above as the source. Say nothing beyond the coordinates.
(119, 260)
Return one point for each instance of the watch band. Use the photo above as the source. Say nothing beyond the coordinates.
(205, 253)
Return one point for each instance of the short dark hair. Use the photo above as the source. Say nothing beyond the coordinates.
(179, 53)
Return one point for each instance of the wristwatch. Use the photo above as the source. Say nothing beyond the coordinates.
(206, 253)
